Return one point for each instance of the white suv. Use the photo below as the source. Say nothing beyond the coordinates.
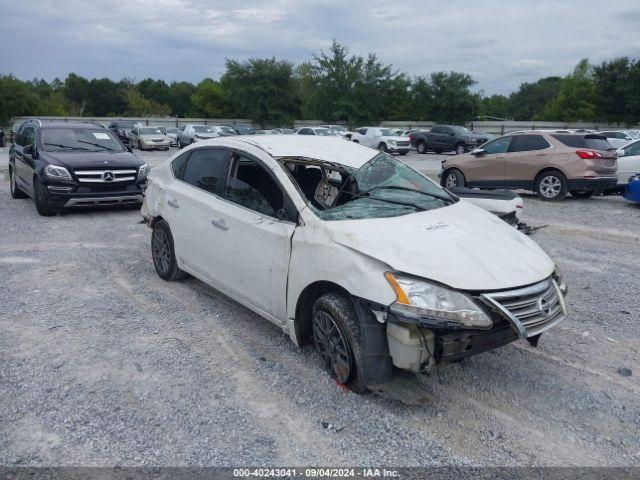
(350, 249)
(385, 139)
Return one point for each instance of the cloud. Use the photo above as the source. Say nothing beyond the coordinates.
(500, 44)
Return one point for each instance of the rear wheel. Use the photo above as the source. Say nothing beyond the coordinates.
(163, 253)
(43, 205)
(453, 178)
(336, 337)
(582, 193)
(551, 185)
(13, 182)
(421, 147)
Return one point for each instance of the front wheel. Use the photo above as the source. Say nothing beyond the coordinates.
(43, 205)
(453, 178)
(382, 147)
(163, 253)
(336, 337)
(551, 185)
(582, 193)
(13, 185)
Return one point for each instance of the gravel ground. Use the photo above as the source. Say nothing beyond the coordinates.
(102, 363)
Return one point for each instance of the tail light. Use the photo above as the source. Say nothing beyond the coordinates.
(588, 154)
(411, 137)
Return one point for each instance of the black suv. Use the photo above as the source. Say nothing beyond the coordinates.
(447, 138)
(122, 128)
(66, 164)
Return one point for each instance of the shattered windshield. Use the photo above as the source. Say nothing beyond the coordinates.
(383, 187)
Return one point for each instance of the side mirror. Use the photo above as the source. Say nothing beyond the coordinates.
(478, 152)
(28, 150)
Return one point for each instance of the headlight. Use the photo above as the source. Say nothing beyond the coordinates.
(144, 170)
(59, 173)
(445, 307)
(558, 276)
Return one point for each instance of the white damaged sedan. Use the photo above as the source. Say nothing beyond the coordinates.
(350, 249)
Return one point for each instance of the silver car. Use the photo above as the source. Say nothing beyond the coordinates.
(188, 134)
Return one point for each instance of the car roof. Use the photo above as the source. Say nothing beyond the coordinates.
(326, 149)
(69, 125)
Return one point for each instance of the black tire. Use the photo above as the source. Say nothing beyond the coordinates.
(355, 141)
(163, 253)
(383, 147)
(421, 147)
(13, 185)
(460, 149)
(336, 338)
(452, 178)
(551, 185)
(582, 193)
(140, 146)
(43, 206)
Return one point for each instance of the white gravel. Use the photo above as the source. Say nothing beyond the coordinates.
(103, 363)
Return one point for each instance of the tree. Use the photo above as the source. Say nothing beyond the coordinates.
(495, 106)
(76, 90)
(208, 100)
(155, 90)
(531, 98)
(618, 90)
(262, 90)
(420, 99)
(16, 98)
(452, 100)
(139, 106)
(180, 98)
(576, 99)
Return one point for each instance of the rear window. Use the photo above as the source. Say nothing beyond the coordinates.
(594, 142)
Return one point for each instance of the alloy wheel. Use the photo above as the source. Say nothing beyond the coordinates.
(550, 186)
(451, 180)
(161, 250)
(332, 346)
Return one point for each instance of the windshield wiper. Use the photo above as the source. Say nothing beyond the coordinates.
(96, 145)
(367, 193)
(71, 147)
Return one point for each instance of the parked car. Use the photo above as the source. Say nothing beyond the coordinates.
(369, 260)
(241, 129)
(223, 130)
(628, 162)
(342, 130)
(149, 138)
(15, 126)
(267, 131)
(188, 134)
(172, 134)
(321, 131)
(550, 164)
(384, 139)
(447, 138)
(632, 189)
(619, 138)
(68, 164)
(122, 128)
(284, 131)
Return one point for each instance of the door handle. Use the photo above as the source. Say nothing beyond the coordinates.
(221, 224)
(173, 203)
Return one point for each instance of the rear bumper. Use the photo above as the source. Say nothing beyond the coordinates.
(591, 184)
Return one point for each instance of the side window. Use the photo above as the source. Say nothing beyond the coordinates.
(633, 149)
(361, 131)
(178, 165)
(27, 136)
(305, 131)
(206, 169)
(527, 143)
(437, 130)
(251, 186)
(447, 131)
(499, 145)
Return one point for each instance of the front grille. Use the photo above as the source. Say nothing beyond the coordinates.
(531, 310)
(403, 144)
(157, 140)
(105, 176)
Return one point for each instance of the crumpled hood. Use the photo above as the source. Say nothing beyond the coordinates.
(94, 159)
(461, 246)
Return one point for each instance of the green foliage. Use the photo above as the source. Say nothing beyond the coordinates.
(335, 86)
(262, 90)
(208, 100)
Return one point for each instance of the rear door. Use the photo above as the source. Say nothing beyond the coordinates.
(487, 169)
(192, 201)
(526, 156)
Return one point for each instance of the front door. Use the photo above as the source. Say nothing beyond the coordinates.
(487, 169)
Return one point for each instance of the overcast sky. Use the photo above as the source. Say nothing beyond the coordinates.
(501, 43)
